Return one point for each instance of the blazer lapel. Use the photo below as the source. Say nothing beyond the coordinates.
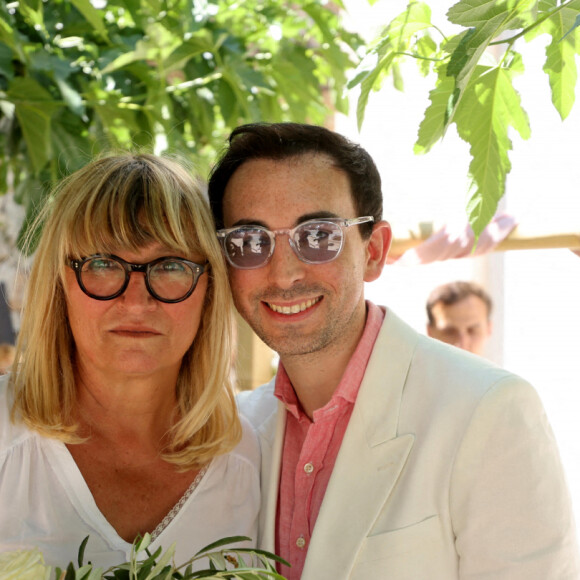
(370, 460)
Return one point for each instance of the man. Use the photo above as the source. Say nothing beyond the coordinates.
(459, 313)
(385, 454)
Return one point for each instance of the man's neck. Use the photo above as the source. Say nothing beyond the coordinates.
(316, 376)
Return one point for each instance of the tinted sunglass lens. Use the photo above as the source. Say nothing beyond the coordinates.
(248, 247)
(318, 242)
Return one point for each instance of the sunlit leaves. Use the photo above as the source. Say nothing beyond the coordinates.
(221, 558)
(478, 13)
(397, 40)
(34, 107)
(490, 107)
(432, 127)
(560, 65)
(474, 79)
(159, 75)
(486, 21)
(93, 16)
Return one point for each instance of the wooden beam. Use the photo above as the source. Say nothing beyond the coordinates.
(523, 237)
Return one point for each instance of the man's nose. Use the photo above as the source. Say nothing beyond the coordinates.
(285, 268)
(463, 341)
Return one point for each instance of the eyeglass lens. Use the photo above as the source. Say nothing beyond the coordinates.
(169, 279)
(318, 242)
(313, 242)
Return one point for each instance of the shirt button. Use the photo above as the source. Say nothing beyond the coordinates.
(308, 468)
(300, 542)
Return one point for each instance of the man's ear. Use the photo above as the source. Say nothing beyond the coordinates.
(377, 250)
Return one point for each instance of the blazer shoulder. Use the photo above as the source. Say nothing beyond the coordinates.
(429, 374)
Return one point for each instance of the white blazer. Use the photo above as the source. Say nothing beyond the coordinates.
(448, 470)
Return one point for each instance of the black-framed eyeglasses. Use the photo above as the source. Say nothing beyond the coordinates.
(168, 279)
(315, 241)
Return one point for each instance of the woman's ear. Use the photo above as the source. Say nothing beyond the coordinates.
(377, 250)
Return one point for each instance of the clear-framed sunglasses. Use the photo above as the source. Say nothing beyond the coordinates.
(168, 279)
(315, 241)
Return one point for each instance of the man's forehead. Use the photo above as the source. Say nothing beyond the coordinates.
(470, 308)
(315, 215)
(274, 194)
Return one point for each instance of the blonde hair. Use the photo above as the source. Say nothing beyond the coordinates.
(127, 201)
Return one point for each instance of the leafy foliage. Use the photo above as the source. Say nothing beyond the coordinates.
(223, 562)
(81, 76)
(474, 71)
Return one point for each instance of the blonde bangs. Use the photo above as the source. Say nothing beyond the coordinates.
(128, 206)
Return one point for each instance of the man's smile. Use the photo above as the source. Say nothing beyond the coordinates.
(295, 308)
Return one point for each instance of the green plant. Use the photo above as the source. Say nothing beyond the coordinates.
(81, 76)
(474, 68)
(223, 562)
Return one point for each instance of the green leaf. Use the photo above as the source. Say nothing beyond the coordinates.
(227, 102)
(487, 20)
(84, 572)
(560, 65)
(218, 560)
(33, 15)
(92, 15)
(561, 69)
(142, 543)
(368, 84)
(426, 48)
(574, 26)
(51, 64)
(30, 192)
(400, 31)
(96, 574)
(6, 65)
(70, 572)
(7, 33)
(68, 137)
(432, 127)
(223, 542)
(187, 50)
(71, 97)
(476, 13)
(391, 47)
(163, 562)
(82, 547)
(264, 553)
(139, 54)
(461, 54)
(150, 50)
(489, 107)
(33, 107)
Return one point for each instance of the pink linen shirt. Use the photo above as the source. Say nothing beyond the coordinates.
(311, 448)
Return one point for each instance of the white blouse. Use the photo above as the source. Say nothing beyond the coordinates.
(45, 502)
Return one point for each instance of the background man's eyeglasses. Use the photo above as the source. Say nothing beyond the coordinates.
(168, 279)
(315, 241)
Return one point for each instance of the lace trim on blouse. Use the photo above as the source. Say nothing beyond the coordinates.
(175, 509)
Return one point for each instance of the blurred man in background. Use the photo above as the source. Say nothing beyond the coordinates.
(459, 313)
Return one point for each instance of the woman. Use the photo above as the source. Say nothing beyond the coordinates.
(119, 419)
